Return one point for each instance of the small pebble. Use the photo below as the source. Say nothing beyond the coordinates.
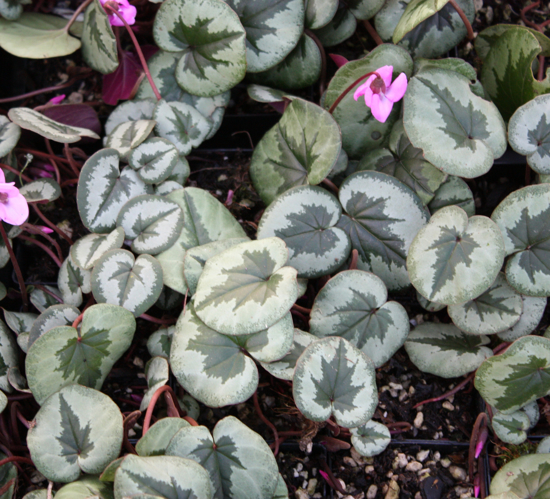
(301, 494)
(371, 493)
(437, 456)
(403, 395)
(422, 455)
(299, 467)
(413, 466)
(418, 495)
(393, 491)
(311, 486)
(447, 405)
(348, 461)
(396, 386)
(418, 420)
(400, 461)
(458, 473)
(358, 458)
(369, 469)
(304, 484)
(445, 462)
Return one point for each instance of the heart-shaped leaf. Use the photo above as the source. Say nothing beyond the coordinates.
(319, 13)
(511, 428)
(490, 35)
(531, 314)
(370, 439)
(56, 315)
(120, 279)
(132, 110)
(361, 132)
(154, 160)
(382, 218)
(44, 189)
(103, 190)
(353, 305)
(80, 115)
(454, 191)
(152, 223)
(304, 218)
(12, 10)
(32, 120)
(454, 259)
(205, 220)
(64, 355)
(516, 377)
(99, 48)
(157, 371)
(86, 487)
(523, 478)
(37, 36)
(160, 342)
(73, 282)
(246, 288)
(76, 430)
(9, 135)
(21, 323)
(444, 350)
(333, 378)
(9, 356)
(166, 477)
(364, 9)
(523, 220)
(157, 438)
(441, 114)
(529, 133)
(494, 311)
(339, 29)
(238, 460)
(213, 56)
(128, 135)
(89, 249)
(416, 12)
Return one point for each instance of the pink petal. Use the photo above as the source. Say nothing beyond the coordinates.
(9, 189)
(16, 210)
(361, 89)
(338, 60)
(2, 176)
(44, 229)
(397, 89)
(57, 100)
(386, 73)
(381, 107)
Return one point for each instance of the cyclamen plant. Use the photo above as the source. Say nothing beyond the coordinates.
(364, 221)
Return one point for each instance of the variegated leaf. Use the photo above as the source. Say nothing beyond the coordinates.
(511, 428)
(56, 315)
(8, 473)
(157, 438)
(196, 257)
(11, 10)
(353, 305)
(76, 430)
(3, 401)
(444, 350)
(416, 12)
(319, 12)
(340, 166)
(490, 35)
(305, 218)
(529, 133)
(37, 36)
(430, 306)
(130, 110)
(441, 114)
(154, 160)
(159, 343)
(339, 29)
(180, 172)
(370, 439)
(9, 356)
(544, 446)
(89, 249)
(169, 299)
(167, 187)
(120, 279)
(32, 120)
(205, 220)
(454, 259)
(157, 371)
(516, 377)
(238, 460)
(284, 367)
(37, 494)
(272, 30)
(361, 132)
(333, 378)
(259, 93)
(103, 190)
(301, 149)
(526, 477)
(152, 223)
(99, 49)
(299, 69)
(73, 281)
(533, 413)
(19, 322)
(64, 355)
(212, 40)
(181, 124)
(128, 135)
(44, 189)
(189, 404)
(246, 288)
(17, 380)
(406, 163)
(382, 218)
(531, 314)
(9, 135)
(494, 311)
(523, 220)
(166, 477)
(506, 74)
(454, 191)
(87, 487)
(281, 491)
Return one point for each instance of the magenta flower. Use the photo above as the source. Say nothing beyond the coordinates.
(127, 11)
(380, 93)
(13, 205)
(57, 100)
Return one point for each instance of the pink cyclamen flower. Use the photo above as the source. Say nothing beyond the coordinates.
(44, 229)
(14, 208)
(380, 93)
(57, 100)
(127, 11)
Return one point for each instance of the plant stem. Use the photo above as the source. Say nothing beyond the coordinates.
(76, 14)
(77, 321)
(154, 320)
(152, 403)
(456, 389)
(323, 77)
(299, 308)
(17, 459)
(480, 422)
(465, 20)
(17, 172)
(47, 291)
(129, 421)
(72, 162)
(35, 230)
(372, 32)
(16, 267)
(51, 225)
(347, 90)
(331, 185)
(43, 154)
(139, 52)
(42, 246)
(41, 91)
(267, 422)
(354, 258)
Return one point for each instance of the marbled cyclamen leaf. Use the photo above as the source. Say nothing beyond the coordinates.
(454, 259)
(382, 218)
(319, 13)
(56, 315)
(157, 372)
(490, 35)
(154, 160)
(99, 48)
(305, 219)
(531, 314)
(85, 488)
(130, 110)
(159, 343)
(454, 191)
(511, 428)
(9, 135)
(370, 439)
(416, 12)
(364, 9)
(333, 378)
(516, 377)
(128, 135)
(73, 281)
(89, 249)
(41, 190)
(8, 356)
(157, 438)
(339, 29)
(353, 305)
(523, 218)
